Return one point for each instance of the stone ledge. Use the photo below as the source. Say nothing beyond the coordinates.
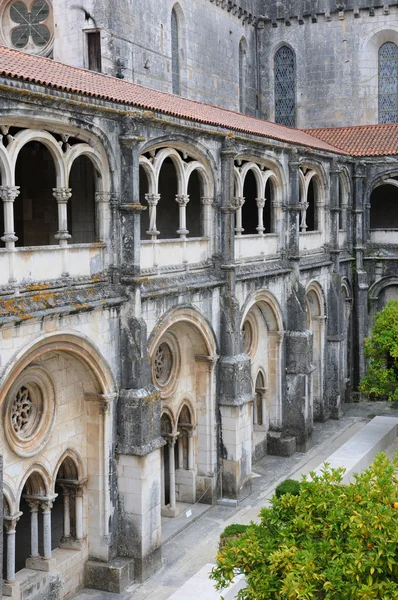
(113, 576)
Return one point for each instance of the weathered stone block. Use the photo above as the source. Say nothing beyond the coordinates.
(113, 576)
(280, 445)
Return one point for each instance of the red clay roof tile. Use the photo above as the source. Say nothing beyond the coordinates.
(361, 140)
(18, 65)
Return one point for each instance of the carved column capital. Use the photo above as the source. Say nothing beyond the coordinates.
(182, 199)
(10, 522)
(207, 201)
(103, 197)
(260, 202)
(62, 195)
(8, 193)
(152, 199)
(238, 202)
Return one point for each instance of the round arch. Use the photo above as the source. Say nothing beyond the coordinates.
(99, 163)
(271, 309)
(5, 167)
(41, 483)
(316, 313)
(31, 135)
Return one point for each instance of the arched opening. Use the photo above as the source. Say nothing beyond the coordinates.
(168, 213)
(81, 205)
(70, 495)
(285, 86)
(315, 323)
(312, 209)
(185, 446)
(35, 209)
(175, 53)
(2, 223)
(249, 209)
(384, 207)
(168, 452)
(347, 348)
(262, 335)
(144, 189)
(194, 209)
(388, 83)
(268, 210)
(242, 74)
(6, 515)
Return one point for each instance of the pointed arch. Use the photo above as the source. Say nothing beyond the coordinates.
(388, 82)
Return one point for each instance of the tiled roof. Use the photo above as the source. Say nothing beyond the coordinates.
(362, 140)
(18, 65)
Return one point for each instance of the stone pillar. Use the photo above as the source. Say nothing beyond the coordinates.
(46, 507)
(191, 462)
(360, 316)
(182, 201)
(180, 442)
(8, 194)
(235, 384)
(79, 511)
(62, 195)
(238, 204)
(139, 444)
(130, 207)
(152, 200)
(34, 527)
(172, 473)
(298, 420)
(260, 207)
(66, 498)
(10, 524)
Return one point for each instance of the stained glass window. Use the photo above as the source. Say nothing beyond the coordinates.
(175, 54)
(388, 83)
(285, 87)
(242, 69)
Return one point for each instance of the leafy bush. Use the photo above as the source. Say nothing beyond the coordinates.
(233, 530)
(289, 486)
(331, 542)
(382, 351)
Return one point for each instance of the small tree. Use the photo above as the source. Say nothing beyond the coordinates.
(331, 542)
(382, 351)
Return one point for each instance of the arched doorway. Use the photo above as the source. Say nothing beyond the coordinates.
(316, 324)
(182, 356)
(262, 332)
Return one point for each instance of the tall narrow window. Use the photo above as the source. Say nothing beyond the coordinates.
(94, 50)
(242, 73)
(285, 87)
(388, 83)
(175, 53)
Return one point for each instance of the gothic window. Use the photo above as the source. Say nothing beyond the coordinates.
(388, 83)
(175, 53)
(285, 87)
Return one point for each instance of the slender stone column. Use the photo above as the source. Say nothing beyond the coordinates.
(66, 497)
(190, 450)
(62, 195)
(238, 204)
(303, 212)
(34, 527)
(172, 472)
(8, 193)
(79, 512)
(102, 200)
(46, 507)
(152, 200)
(180, 451)
(10, 524)
(182, 201)
(260, 207)
(207, 204)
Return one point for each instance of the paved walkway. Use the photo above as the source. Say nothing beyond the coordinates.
(196, 546)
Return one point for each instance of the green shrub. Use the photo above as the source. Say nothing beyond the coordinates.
(331, 542)
(289, 486)
(381, 349)
(233, 530)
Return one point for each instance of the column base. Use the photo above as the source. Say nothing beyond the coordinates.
(71, 544)
(113, 576)
(41, 564)
(280, 445)
(167, 511)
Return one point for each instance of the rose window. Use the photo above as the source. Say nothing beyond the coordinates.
(28, 25)
(247, 336)
(22, 411)
(163, 364)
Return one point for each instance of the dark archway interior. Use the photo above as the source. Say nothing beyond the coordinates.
(81, 206)
(167, 209)
(249, 209)
(312, 199)
(194, 212)
(144, 189)
(341, 199)
(35, 209)
(2, 244)
(384, 207)
(260, 385)
(268, 212)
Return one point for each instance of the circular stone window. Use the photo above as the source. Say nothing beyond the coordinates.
(29, 412)
(28, 25)
(247, 337)
(163, 364)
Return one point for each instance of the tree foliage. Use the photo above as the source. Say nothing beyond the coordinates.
(330, 542)
(381, 348)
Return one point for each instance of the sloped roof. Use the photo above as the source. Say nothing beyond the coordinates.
(361, 140)
(43, 71)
